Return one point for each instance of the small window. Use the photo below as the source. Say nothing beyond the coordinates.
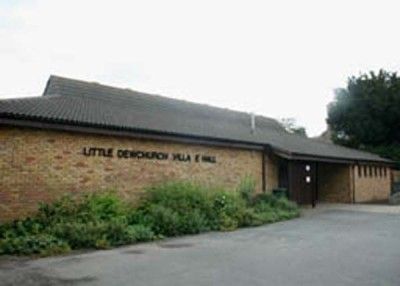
(365, 171)
(359, 171)
(384, 171)
(376, 171)
(380, 171)
(370, 171)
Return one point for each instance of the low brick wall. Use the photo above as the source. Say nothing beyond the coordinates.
(371, 183)
(40, 166)
(396, 176)
(334, 183)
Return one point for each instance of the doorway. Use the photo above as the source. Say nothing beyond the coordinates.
(303, 182)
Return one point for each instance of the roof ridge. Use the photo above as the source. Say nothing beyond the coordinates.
(129, 90)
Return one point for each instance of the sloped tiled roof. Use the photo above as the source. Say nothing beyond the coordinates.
(79, 103)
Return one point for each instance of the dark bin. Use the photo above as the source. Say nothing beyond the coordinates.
(280, 192)
(396, 187)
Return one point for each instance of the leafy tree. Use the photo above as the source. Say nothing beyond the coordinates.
(291, 126)
(366, 114)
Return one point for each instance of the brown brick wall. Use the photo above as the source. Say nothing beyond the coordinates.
(396, 176)
(40, 166)
(334, 183)
(271, 172)
(371, 186)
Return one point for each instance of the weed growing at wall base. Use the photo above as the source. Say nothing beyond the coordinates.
(104, 220)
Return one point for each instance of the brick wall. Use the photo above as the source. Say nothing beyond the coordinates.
(396, 176)
(371, 183)
(334, 183)
(271, 172)
(40, 166)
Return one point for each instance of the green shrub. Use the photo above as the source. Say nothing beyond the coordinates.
(178, 208)
(103, 220)
(271, 208)
(275, 202)
(91, 221)
(42, 244)
(250, 218)
(228, 208)
(91, 207)
(104, 233)
(180, 196)
(141, 233)
(162, 220)
(130, 234)
(247, 188)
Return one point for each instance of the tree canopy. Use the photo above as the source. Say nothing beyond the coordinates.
(366, 114)
(291, 126)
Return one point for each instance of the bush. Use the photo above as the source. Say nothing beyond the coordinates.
(91, 221)
(141, 233)
(79, 235)
(86, 208)
(162, 220)
(270, 208)
(250, 218)
(228, 208)
(104, 220)
(178, 208)
(42, 244)
(247, 188)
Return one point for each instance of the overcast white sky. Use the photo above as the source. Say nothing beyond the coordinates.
(275, 58)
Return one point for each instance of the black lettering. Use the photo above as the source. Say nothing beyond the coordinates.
(133, 154)
(150, 155)
(101, 152)
(110, 152)
(122, 154)
(209, 159)
(162, 156)
(85, 151)
(181, 157)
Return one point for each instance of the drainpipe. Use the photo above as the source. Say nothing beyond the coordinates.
(354, 181)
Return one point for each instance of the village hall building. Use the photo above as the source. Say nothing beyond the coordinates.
(82, 136)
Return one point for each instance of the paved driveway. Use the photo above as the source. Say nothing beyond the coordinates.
(331, 246)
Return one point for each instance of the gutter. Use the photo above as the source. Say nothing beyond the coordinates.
(61, 125)
(140, 134)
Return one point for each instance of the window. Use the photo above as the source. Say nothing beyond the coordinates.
(365, 171)
(376, 171)
(384, 171)
(359, 171)
(380, 171)
(370, 171)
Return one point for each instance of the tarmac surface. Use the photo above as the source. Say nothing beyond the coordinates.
(331, 245)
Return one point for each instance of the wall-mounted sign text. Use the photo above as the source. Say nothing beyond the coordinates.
(149, 155)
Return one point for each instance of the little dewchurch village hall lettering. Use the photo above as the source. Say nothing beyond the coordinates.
(150, 155)
(81, 137)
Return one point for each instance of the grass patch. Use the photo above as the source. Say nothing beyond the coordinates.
(104, 220)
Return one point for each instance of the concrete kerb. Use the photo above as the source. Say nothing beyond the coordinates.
(372, 208)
